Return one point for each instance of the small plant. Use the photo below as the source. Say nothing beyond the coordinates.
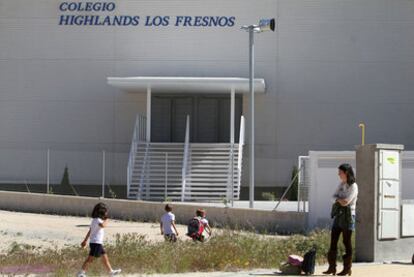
(112, 194)
(226, 251)
(269, 196)
(225, 202)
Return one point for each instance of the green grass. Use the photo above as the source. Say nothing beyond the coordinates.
(135, 254)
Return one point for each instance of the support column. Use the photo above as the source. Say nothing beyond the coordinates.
(251, 88)
(148, 131)
(232, 108)
(230, 187)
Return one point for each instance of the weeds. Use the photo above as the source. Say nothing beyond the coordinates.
(135, 254)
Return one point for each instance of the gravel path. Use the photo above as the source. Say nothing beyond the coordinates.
(44, 230)
(359, 270)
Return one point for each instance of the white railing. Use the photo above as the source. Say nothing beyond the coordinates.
(230, 177)
(303, 183)
(138, 135)
(240, 157)
(185, 157)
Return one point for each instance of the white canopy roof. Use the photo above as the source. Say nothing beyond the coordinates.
(186, 84)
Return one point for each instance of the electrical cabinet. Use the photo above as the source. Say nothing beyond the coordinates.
(407, 220)
(389, 194)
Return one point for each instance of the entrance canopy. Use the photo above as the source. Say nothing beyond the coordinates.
(207, 86)
(186, 84)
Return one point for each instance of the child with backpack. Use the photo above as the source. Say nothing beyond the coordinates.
(96, 237)
(204, 221)
(167, 225)
(198, 226)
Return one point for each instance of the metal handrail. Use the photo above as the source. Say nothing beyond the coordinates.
(240, 157)
(138, 134)
(142, 137)
(185, 157)
(288, 188)
(301, 181)
(131, 156)
(230, 178)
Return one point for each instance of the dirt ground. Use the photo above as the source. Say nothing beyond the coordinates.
(57, 231)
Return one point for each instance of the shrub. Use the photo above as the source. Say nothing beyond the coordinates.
(227, 251)
(269, 196)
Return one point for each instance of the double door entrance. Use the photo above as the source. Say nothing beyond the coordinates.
(209, 117)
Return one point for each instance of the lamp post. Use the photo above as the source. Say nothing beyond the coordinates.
(263, 26)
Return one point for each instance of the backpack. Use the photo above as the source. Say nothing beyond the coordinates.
(288, 269)
(295, 260)
(195, 228)
(308, 264)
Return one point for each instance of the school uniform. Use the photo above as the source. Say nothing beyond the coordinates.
(169, 234)
(96, 238)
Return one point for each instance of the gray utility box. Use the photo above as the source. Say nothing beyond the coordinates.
(379, 226)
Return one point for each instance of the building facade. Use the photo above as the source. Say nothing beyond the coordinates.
(329, 66)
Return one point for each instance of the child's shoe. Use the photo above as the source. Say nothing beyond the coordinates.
(115, 272)
(82, 273)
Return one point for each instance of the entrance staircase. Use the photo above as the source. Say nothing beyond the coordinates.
(184, 171)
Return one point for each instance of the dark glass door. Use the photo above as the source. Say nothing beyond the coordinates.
(209, 117)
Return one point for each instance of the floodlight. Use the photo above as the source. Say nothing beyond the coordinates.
(267, 25)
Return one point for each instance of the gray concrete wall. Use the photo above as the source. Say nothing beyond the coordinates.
(366, 221)
(259, 220)
(330, 65)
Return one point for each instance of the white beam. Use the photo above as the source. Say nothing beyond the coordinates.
(191, 85)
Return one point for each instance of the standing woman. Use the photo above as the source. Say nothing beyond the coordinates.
(343, 213)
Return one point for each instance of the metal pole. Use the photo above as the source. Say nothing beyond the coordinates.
(48, 172)
(299, 182)
(232, 174)
(166, 177)
(251, 86)
(362, 126)
(103, 173)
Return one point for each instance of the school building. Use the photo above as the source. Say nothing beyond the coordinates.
(160, 88)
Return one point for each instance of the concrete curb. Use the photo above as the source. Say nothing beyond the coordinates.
(258, 220)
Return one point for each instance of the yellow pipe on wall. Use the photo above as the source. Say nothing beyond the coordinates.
(362, 126)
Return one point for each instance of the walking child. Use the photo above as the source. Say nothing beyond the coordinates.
(167, 225)
(96, 237)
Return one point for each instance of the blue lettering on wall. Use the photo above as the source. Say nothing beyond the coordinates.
(101, 13)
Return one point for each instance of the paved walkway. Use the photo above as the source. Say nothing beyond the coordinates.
(359, 270)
